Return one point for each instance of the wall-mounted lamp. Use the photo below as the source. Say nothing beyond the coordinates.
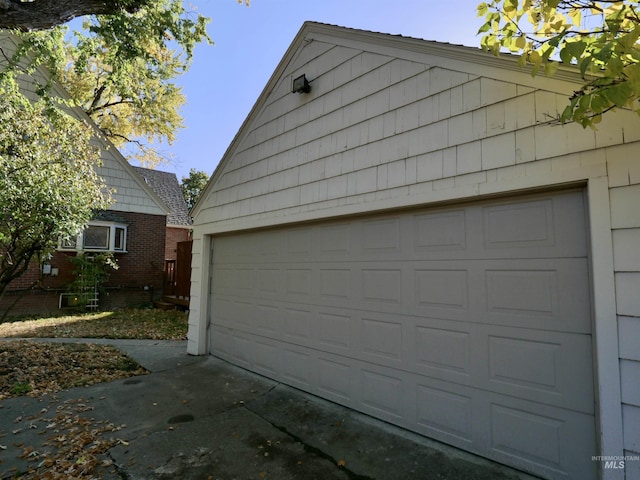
(301, 85)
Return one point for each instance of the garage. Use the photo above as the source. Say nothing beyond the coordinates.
(416, 237)
(468, 323)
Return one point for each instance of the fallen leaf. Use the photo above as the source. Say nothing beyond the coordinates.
(50, 367)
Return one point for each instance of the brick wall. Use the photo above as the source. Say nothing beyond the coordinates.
(175, 235)
(143, 264)
(138, 280)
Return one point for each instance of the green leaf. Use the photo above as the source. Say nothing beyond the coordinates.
(567, 114)
(584, 65)
(482, 9)
(550, 68)
(617, 94)
(572, 50)
(599, 103)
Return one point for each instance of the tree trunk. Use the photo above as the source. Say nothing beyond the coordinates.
(43, 14)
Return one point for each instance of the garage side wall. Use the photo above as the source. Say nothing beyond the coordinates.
(624, 183)
(382, 131)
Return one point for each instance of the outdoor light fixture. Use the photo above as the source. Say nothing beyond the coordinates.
(301, 84)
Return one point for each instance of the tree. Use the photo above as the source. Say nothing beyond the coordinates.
(192, 186)
(600, 37)
(121, 69)
(48, 186)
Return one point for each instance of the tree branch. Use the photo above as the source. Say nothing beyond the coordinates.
(44, 14)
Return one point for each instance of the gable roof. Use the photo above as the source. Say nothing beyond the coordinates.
(474, 61)
(166, 186)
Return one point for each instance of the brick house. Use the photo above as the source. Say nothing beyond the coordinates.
(398, 227)
(133, 228)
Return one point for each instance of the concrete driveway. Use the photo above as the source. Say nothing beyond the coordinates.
(201, 418)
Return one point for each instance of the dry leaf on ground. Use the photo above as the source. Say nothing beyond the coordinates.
(37, 368)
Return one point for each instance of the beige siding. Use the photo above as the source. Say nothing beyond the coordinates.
(383, 129)
(625, 198)
(130, 194)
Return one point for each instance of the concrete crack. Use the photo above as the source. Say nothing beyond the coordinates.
(310, 448)
(120, 470)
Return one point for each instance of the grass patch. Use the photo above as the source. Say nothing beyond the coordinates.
(150, 324)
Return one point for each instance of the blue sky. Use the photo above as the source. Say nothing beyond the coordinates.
(226, 79)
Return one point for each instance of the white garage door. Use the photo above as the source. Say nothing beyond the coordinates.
(469, 324)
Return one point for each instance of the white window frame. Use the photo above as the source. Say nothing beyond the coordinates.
(113, 230)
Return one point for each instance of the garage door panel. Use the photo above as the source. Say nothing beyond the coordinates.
(299, 283)
(220, 343)
(267, 359)
(297, 324)
(335, 379)
(446, 414)
(234, 346)
(268, 319)
(540, 439)
(540, 366)
(470, 324)
(382, 393)
(546, 227)
(519, 225)
(334, 239)
(443, 352)
(335, 284)
(270, 281)
(543, 294)
(269, 243)
(382, 286)
(381, 338)
(298, 243)
(522, 292)
(441, 288)
(382, 235)
(334, 331)
(230, 311)
(440, 232)
(298, 367)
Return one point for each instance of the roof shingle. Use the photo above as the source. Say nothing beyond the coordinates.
(166, 186)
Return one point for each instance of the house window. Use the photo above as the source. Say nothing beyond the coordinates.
(96, 237)
(119, 241)
(100, 236)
